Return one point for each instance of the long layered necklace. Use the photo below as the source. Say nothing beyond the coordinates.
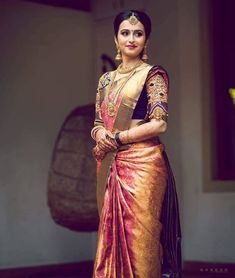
(111, 104)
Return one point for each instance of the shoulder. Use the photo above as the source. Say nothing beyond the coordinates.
(158, 72)
(157, 69)
(105, 79)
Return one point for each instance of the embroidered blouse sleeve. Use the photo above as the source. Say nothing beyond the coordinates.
(103, 82)
(157, 92)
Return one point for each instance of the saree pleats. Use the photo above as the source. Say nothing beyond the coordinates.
(130, 228)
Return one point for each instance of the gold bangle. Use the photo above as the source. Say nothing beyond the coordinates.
(102, 137)
(127, 136)
(95, 130)
(124, 138)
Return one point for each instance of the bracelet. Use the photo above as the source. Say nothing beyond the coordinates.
(94, 131)
(127, 136)
(103, 136)
(117, 139)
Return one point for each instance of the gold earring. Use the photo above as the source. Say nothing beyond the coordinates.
(145, 55)
(118, 57)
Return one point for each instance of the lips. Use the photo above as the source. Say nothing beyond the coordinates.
(131, 46)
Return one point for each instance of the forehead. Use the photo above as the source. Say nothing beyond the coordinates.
(125, 24)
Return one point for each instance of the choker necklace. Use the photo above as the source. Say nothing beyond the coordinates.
(122, 69)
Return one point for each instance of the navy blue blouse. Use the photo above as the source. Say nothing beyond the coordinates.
(152, 102)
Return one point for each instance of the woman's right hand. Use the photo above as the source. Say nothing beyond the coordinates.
(104, 145)
(98, 153)
(105, 141)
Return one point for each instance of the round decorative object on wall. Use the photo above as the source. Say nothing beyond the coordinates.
(72, 174)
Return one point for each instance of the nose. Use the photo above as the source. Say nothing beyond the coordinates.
(131, 39)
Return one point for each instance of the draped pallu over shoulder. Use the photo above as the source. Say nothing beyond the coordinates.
(133, 89)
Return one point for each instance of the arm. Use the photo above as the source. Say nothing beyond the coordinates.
(99, 133)
(143, 132)
(98, 128)
(157, 92)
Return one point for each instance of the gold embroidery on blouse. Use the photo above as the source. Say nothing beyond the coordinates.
(97, 102)
(159, 114)
(157, 89)
(103, 82)
(158, 96)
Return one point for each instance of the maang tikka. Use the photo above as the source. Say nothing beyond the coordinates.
(133, 19)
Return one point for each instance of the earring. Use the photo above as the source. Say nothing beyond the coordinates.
(118, 57)
(145, 56)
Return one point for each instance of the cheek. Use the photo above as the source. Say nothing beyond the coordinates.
(121, 39)
(142, 43)
(144, 40)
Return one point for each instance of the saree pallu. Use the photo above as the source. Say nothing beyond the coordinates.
(130, 228)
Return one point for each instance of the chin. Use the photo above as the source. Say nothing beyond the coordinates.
(132, 55)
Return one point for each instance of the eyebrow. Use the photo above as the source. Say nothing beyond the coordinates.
(140, 30)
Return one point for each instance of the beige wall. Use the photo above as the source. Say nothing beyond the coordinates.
(208, 218)
(45, 72)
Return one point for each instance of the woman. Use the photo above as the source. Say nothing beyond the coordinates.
(139, 232)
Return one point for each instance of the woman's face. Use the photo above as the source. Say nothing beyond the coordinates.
(130, 39)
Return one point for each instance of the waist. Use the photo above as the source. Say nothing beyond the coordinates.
(146, 143)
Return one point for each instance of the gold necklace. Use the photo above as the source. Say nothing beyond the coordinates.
(111, 104)
(122, 69)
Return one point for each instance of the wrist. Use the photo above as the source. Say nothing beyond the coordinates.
(124, 137)
(117, 139)
(95, 130)
(99, 134)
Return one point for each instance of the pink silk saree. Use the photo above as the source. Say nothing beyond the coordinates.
(136, 181)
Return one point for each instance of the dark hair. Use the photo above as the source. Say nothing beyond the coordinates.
(141, 16)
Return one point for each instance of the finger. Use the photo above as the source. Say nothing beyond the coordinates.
(102, 147)
(108, 148)
(110, 145)
(109, 135)
(105, 143)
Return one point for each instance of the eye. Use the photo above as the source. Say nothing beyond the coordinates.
(125, 33)
(139, 33)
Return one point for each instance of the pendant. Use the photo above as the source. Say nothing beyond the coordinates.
(111, 109)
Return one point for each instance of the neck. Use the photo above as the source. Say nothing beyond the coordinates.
(130, 67)
(130, 62)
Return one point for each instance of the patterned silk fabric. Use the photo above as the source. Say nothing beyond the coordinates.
(129, 231)
(130, 227)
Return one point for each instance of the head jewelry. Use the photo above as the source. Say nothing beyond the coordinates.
(133, 19)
